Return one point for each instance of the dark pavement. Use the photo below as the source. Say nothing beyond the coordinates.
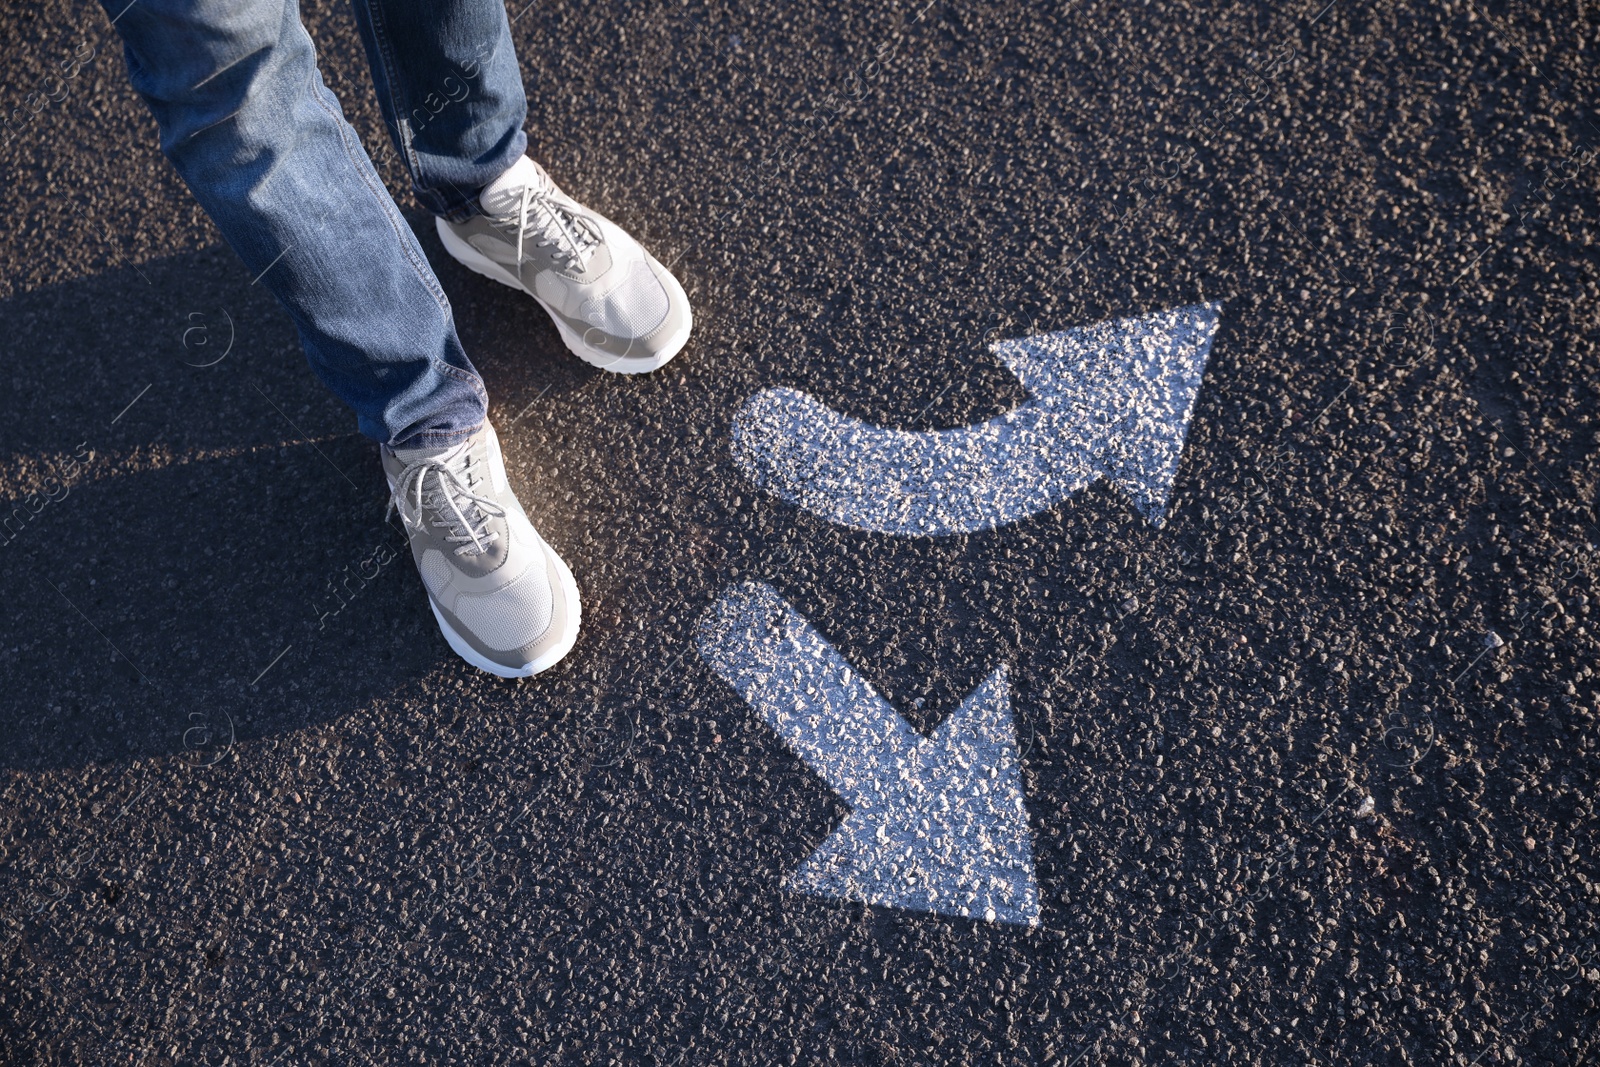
(1309, 770)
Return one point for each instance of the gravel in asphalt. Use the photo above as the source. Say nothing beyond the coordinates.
(1309, 770)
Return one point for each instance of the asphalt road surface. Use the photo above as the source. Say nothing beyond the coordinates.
(1298, 767)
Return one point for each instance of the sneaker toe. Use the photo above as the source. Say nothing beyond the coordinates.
(635, 309)
(510, 618)
(642, 317)
(522, 627)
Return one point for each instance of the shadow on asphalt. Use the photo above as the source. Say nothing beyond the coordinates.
(193, 542)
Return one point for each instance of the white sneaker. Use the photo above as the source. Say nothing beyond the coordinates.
(503, 598)
(616, 307)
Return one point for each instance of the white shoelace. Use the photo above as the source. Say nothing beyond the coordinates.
(574, 236)
(468, 514)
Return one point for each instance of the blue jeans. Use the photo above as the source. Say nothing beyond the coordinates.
(261, 141)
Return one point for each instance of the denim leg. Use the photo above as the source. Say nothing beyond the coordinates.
(451, 93)
(248, 123)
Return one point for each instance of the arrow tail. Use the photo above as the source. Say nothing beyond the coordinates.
(803, 689)
(904, 482)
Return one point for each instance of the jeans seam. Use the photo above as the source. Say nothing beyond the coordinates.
(465, 377)
(429, 198)
(380, 32)
(466, 211)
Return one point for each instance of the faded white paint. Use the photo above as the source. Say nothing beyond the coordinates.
(1108, 401)
(936, 823)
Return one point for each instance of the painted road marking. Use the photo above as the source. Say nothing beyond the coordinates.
(1108, 401)
(936, 823)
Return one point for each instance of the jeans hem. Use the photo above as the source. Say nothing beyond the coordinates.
(436, 438)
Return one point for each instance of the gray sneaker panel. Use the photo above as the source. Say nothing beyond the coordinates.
(497, 239)
(644, 347)
(555, 629)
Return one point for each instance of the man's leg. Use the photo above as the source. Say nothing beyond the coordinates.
(262, 143)
(451, 92)
(260, 140)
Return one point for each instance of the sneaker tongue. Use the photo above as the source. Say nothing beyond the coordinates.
(436, 490)
(501, 196)
(409, 456)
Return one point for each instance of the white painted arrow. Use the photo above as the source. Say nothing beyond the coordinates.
(1108, 401)
(936, 823)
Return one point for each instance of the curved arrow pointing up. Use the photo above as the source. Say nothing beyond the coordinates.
(1108, 401)
(936, 823)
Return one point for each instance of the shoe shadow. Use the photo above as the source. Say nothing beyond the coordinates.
(179, 609)
(193, 543)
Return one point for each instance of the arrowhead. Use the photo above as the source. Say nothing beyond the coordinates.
(949, 834)
(1127, 388)
(935, 824)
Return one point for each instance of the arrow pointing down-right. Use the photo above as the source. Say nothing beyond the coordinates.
(936, 823)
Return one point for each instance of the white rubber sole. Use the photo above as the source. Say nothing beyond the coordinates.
(569, 587)
(478, 263)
